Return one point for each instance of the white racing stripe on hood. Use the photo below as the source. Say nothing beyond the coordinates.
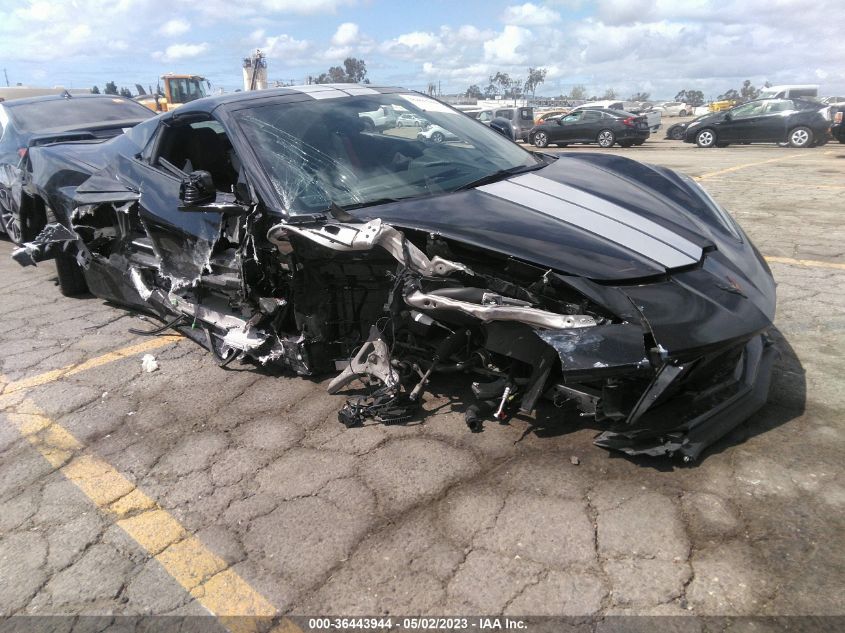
(611, 210)
(615, 230)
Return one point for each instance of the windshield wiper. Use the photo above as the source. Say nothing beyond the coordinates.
(501, 174)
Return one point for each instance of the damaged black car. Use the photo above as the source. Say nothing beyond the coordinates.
(276, 226)
(25, 123)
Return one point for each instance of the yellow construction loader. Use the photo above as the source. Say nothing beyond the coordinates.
(175, 90)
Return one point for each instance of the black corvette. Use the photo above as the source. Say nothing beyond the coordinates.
(596, 125)
(39, 120)
(272, 226)
(797, 122)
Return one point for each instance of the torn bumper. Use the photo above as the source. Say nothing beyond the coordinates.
(683, 413)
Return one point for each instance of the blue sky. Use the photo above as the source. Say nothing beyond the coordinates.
(657, 46)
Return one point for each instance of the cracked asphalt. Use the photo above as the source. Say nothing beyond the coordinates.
(425, 518)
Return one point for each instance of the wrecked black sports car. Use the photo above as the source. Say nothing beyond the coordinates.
(278, 226)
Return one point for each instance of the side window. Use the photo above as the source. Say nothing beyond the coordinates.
(526, 114)
(574, 117)
(748, 110)
(592, 115)
(485, 116)
(507, 114)
(781, 105)
(201, 145)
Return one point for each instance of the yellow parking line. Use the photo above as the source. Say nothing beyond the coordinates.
(728, 170)
(807, 263)
(206, 576)
(70, 370)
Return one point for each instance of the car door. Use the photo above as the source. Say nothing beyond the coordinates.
(591, 124)
(183, 240)
(771, 126)
(740, 123)
(567, 129)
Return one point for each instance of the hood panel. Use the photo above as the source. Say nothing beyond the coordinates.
(573, 216)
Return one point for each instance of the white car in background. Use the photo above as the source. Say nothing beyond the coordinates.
(674, 108)
(410, 120)
(435, 134)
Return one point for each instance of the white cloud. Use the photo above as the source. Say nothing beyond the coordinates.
(346, 34)
(529, 14)
(509, 47)
(284, 46)
(174, 27)
(176, 52)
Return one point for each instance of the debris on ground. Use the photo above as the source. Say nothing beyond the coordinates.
(149, 363)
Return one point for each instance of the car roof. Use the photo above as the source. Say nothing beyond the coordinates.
(317, 91)
(16, 103)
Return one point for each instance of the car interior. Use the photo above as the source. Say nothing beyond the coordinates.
(203, 146)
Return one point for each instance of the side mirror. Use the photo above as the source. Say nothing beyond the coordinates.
(728, 116)
(560, 121)
(503, 127)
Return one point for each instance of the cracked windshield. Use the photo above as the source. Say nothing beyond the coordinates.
(361, 152)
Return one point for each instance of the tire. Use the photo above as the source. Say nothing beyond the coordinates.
(541, 139)
(71, 278)
(606, 138)
(705, 138)
(682, 113)
(800, 136)
(10, 223)
(369, 125)
(437, 137)
(676, 133)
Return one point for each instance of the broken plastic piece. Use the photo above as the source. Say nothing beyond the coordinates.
(149, 363)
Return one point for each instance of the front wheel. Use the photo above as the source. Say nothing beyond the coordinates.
(10, 222)
(682, 113)
(541, 139)
(71, 278)
(800, 137)
(705, 138)
(606, 138)
(437, 137)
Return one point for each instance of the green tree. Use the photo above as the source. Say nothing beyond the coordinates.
(95, 90)
(536, 76)
(748, 91)
(474, 92)
(692, 97)
(729, 95)
(125, 92)
(609, 94)
(639, 96)
(490, 91)
(354, 71)
(110, 89)
(578, 92)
